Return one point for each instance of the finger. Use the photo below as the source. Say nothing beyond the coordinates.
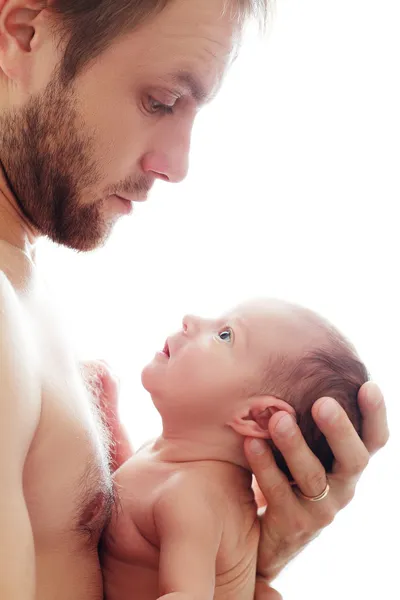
(273, 484)
(265, 592)
(375, 430)
(306, 469)
(258, 495)
(89, 367)
(101, 372)
(94, 372)
(94, 363)
(110, 383)
(98, 366)
(105, 368)
(103, 362)
(350, 452)
(91, 374)
(103, 386)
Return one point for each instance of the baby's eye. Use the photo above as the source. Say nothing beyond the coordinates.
(226, 335)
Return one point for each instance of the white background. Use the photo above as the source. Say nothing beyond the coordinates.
(293, 192)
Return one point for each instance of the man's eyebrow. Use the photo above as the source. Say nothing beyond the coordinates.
(192, 84)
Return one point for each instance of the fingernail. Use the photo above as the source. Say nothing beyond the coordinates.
(328, 411)
(257, 447)
(285, 425)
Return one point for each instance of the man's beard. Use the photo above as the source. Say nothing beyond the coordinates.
(47, 162)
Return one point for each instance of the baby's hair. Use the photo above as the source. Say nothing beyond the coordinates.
(333, 369)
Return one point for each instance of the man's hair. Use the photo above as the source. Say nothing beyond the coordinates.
(332, 370)
(88, 27)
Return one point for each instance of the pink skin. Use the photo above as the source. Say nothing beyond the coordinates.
(290, 522)
(158, 77)
(206, 382)
(131, 141)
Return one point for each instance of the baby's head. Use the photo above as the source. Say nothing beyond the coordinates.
(232, 374)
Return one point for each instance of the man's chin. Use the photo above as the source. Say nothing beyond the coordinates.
(89, 232)
(84, 243)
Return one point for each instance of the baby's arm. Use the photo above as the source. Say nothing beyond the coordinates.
(190, 530)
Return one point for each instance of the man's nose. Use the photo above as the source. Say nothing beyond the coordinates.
(169, 158)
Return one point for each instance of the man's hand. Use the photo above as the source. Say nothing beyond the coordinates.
(290, 523)
(103, 386)
(176, 596)
(265, 592)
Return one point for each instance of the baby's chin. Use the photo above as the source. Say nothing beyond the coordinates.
(153, 384)
(146, 379)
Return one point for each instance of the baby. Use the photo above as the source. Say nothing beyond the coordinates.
(186, 525)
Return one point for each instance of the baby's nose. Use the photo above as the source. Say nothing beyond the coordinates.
(191, 324)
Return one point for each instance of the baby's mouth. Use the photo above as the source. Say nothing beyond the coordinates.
(166, 349)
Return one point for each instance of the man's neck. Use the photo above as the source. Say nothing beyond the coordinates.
(15, 229)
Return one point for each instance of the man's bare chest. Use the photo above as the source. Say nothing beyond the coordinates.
(67, 481)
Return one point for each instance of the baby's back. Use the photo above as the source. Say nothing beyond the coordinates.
(166, 516)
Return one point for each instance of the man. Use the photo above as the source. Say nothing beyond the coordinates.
(97, 101)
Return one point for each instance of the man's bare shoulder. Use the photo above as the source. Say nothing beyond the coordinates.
(18, 358)
(9, 307)
(20, 405)
(11, 314)
(16, 266)
(5, 285)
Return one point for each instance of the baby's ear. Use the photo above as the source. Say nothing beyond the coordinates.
(253, 421)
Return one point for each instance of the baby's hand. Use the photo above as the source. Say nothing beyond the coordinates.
(104, 388)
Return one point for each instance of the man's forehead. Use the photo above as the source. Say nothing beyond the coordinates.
(193, 46)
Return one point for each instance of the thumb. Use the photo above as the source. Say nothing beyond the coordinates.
(265, 592)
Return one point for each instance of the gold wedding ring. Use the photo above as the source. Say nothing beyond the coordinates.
(313, 498)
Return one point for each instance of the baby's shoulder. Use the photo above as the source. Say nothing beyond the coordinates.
(189, 493)
(190, 482)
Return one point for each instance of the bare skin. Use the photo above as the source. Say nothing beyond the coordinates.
(56, 490)
(193, 527)
(166, 537)
(290, 523)
(65, 494)
(65, 487)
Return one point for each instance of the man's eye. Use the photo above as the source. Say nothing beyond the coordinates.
(158, 107)
(226, 335)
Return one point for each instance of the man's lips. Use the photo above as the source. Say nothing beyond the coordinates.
(140, 194)
(131, 199)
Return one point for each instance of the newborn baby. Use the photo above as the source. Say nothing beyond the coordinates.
(186, 523)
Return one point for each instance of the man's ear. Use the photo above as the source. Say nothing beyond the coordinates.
(253, 421)
(18, 24)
